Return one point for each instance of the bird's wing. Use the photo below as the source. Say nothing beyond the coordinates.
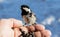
(25, 19)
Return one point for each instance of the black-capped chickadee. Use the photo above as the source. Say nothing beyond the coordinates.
(28, 16)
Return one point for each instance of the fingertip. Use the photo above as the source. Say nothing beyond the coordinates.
(39, 27)
(37, 34)
(47, 32)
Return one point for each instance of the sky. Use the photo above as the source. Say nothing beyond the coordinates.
(47, 12)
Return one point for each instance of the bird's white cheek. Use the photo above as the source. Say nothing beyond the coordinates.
(26, 9)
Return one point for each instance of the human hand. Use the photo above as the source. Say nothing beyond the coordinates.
(7, 31)
(40, 30)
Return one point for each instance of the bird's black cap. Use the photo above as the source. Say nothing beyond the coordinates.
(24, 6)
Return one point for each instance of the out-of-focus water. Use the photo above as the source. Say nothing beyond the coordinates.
(47, 12)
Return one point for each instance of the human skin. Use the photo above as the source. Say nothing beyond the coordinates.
(7, 25)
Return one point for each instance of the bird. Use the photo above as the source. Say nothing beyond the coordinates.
(29, 18)
(28, 15)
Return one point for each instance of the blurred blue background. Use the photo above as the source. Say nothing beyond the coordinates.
(47, 12)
